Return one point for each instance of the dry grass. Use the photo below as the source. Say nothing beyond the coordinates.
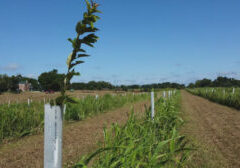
(39, 96)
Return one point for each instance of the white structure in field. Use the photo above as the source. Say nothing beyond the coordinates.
(53, 119)
(152, 105)
(164, 94)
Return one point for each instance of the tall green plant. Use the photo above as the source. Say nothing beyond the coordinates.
(85, 30)
(142, 143)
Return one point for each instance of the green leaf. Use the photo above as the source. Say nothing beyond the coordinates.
(81, 50)
(69, 60)
(91, 23)
(89, 44)
(79, 27)
(71, 74)
(89, 29)
(91, 38)
(83, 55)
(69, 39)
(88, 4)
(76, 63)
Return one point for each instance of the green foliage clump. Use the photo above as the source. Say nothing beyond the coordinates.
(91, 106)
(144, 142)
(51, 80)
(18, 120)
(224, 96)
(219, 82)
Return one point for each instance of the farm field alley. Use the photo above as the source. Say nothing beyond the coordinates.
(216, 127)
(120, 84)
(79, 138)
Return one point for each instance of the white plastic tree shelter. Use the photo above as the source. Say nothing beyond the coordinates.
(152, 105)
(164, 94)
(53, 120)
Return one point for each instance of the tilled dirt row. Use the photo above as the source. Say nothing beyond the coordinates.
(215, 125)
(78, 139)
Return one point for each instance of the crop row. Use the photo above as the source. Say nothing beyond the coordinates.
(144, 142)
(18, 120)
(225, 96)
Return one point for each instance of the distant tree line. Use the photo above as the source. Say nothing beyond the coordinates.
(10, 83)
(219, 82)
(92, 85)
(53, 80)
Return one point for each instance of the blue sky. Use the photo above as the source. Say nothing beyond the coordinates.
(140, 42)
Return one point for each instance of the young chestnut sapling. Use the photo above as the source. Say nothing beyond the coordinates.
(85, 30)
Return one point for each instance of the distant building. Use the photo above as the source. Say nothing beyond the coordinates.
(24, 86)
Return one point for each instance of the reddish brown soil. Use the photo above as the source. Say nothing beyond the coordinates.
(78, 139)
(214, 125)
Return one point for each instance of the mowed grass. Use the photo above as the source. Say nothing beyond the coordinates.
(144, 142)
(225, 96)
(18, 120)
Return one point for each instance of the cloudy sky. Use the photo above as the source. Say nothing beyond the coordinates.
(140, 41)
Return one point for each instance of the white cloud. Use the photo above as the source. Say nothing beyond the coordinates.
(11, 67)
(31, 76)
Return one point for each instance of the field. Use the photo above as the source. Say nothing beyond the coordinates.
(18, 120)
(120, 84)
(225, 96)
(116, 130)
(40, 96)
(144, 142)
(215, 130)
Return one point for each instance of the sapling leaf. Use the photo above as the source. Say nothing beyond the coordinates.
(86, 25)
(89, 44)
(69, 59)
(88, 5)
(81, 50)
(91, 23)
(69, 39)
(76, 63)
(83, 55)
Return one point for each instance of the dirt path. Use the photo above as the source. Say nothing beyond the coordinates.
(78, 139)
(214, 125)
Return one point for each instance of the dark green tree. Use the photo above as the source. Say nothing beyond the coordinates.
(51, 80)
(3, 83)
(203, 83)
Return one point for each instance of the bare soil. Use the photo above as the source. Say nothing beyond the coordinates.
(79, 138)
(217, 127)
